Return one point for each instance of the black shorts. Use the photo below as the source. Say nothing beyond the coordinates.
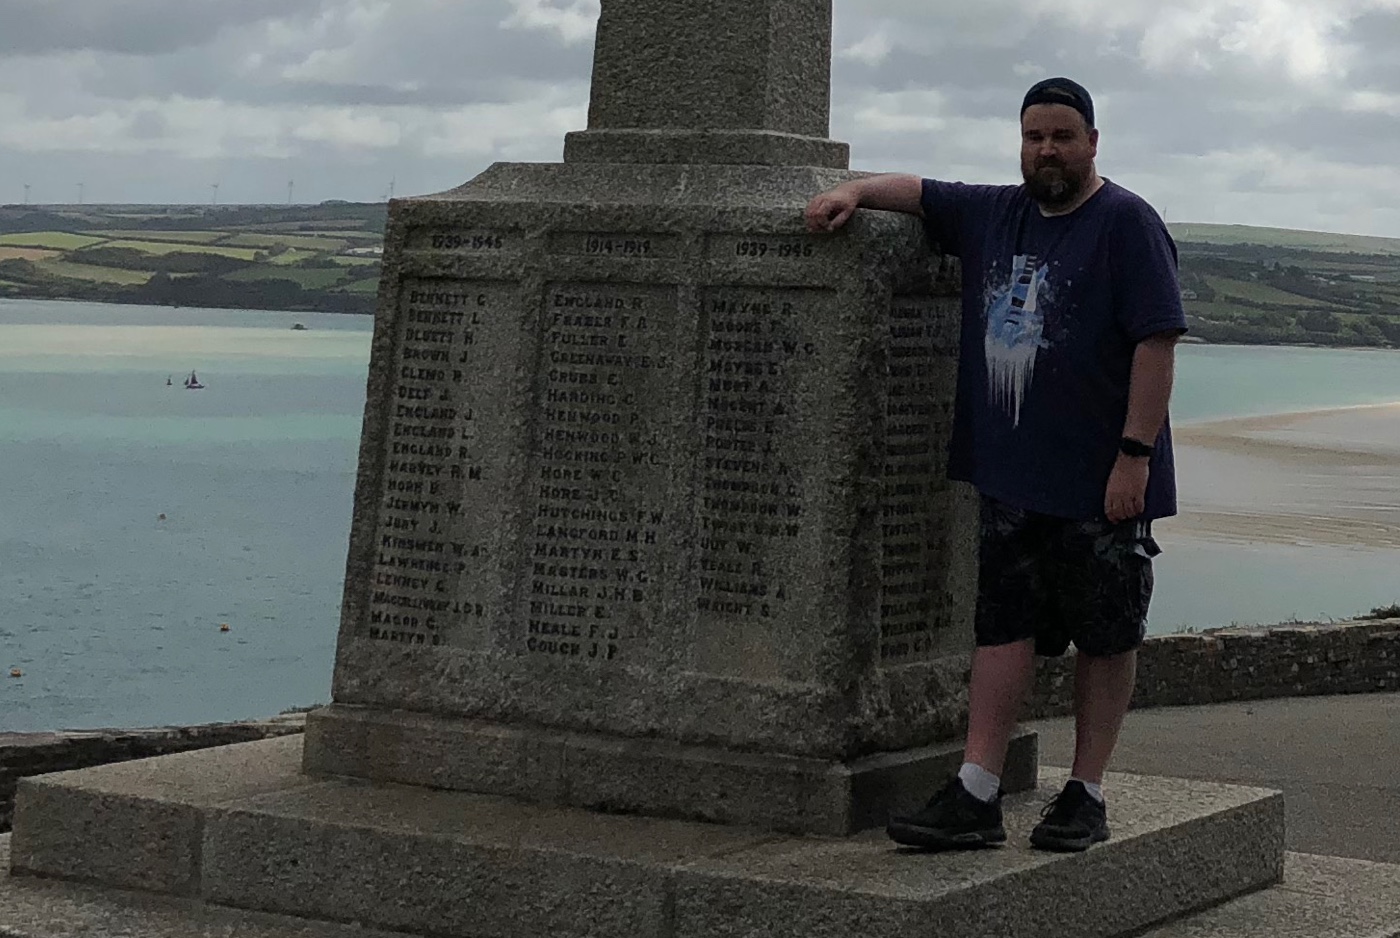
(1059, 581)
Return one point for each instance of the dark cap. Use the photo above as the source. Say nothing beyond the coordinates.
(1061, 91)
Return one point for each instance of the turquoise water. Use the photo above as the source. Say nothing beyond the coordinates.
(113, 614)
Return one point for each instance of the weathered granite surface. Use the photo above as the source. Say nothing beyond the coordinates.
(644, 459)
(646, 463)
(438, 862)
(26, 754)
(725, 81)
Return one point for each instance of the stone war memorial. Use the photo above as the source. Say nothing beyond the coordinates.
(657, 600)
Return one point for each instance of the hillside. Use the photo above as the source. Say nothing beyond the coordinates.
(323, 258)
(1240, 284)
(1274, 286)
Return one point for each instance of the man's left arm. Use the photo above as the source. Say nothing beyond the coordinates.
(1150, 391)
(1147, 297)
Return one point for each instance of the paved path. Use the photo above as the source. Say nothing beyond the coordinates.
(1336, 759)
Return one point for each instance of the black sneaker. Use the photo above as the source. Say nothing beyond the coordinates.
(952, 820)
(1073, 821)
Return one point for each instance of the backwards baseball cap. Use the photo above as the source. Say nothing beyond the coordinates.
(1061, 91)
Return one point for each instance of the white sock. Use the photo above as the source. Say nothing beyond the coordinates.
(980, 783)
(1095, 791)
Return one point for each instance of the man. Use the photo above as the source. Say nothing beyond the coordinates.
(1071, 313)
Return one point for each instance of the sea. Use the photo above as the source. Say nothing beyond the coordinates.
(138, 519)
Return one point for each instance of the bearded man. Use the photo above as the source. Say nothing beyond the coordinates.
(1071, 314)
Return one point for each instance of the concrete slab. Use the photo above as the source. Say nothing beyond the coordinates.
(414, 859)
(139, 825)
(1320, 897)
(39, 908)
(405, 858)
(1177, 847)
(1323, 753)
(420, 860)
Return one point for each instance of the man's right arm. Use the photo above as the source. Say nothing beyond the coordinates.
(891, 193)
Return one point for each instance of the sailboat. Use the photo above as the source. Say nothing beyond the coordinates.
(192, 383)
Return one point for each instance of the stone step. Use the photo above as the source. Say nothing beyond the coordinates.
(47, 908)
(241, 827)
(1320, 897)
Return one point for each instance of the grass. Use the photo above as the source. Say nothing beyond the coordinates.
(303, 242)
(162, 248)
(185, 237)
(96, 274)
(1284, 238)
(363, 286)
(310, 278)
(287, 258)
(1384, 612)
(58, 240)
(355, 261)
(27, 254)
(1260, 293)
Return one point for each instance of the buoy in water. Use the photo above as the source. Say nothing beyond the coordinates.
(16, 672)
(223, 627)
(161, 516)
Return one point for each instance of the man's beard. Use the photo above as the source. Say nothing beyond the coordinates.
(1054, 185)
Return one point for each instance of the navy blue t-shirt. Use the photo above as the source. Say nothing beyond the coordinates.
(1053, 309)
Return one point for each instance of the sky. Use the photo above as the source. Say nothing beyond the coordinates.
(1260, 112)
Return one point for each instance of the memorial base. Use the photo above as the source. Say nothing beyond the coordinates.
(639, 776)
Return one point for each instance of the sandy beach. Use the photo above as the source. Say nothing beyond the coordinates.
(1315, 478)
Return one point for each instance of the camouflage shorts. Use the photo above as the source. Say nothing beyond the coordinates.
(1059, 581)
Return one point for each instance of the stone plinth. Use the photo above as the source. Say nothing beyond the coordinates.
(417, 861)
(644, 461)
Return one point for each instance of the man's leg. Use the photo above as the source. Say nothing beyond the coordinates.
(1103, 688)
(1001, 681)
(967, 812)
(1107, 574)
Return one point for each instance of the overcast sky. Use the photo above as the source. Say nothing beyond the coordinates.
(1267, 112)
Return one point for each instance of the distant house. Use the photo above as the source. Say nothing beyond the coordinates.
(375, 251)
(1189, 295)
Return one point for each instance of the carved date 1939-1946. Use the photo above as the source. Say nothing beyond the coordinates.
(774, 249)
(468, 242)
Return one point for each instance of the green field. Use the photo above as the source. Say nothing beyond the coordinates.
(363, 286)
(309, 278)
(1261, 293)
(293, 256)
(167, 247)
(302, 242)
(98, 274)
(186, 237)
(59, 240)
(1284, 238)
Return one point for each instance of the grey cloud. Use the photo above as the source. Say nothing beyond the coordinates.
(129, 27)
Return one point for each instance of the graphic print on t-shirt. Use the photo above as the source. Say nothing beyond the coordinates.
(1015, 334)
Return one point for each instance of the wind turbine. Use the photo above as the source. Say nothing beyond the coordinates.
(291, 184)
(214, 199)
(81, 186)
(26, 193)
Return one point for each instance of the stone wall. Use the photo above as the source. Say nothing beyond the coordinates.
(1223, 665)
(25, 754)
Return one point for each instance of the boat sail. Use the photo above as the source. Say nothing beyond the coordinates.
(192, 382)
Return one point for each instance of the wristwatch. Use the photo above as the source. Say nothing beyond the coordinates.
(1135, 448)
